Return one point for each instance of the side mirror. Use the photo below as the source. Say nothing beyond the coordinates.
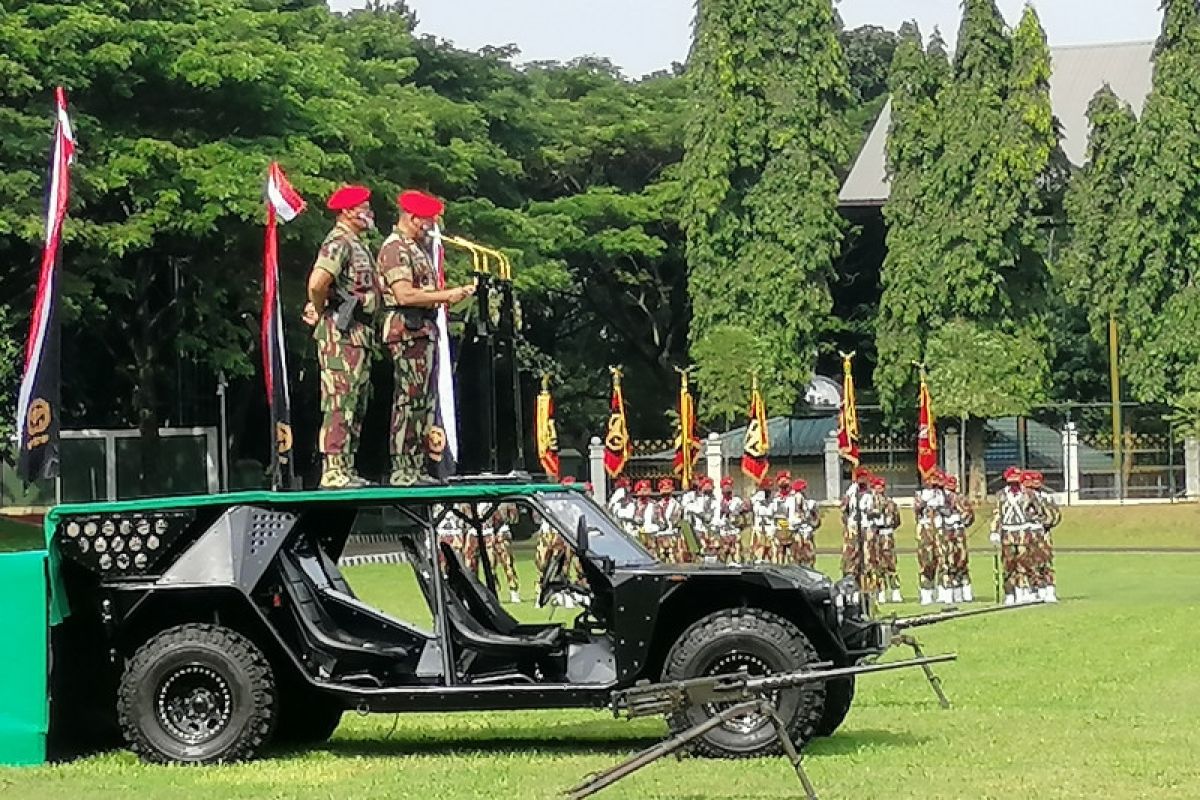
(581, 535)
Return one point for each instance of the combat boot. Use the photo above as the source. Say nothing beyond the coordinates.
(956, 594)
(337, 473)
(896, 596)
(944, 595)
(881, 598)
(1051, 596)
(514, 596)
(927, 597)
(968, 594)
(1010, 599)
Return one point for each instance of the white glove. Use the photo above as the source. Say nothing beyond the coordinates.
(995, 537)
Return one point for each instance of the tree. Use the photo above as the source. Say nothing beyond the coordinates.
(1090, 275)
(968, 276)
(765, 136)
(1158, 225)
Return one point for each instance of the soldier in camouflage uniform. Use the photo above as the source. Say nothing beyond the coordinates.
(497, 538)
(762, 533)
(885, 522)
(411, 299)
(928, 507)
(1045, 517)
(956, 557)
(343, 303)
(1010, 532)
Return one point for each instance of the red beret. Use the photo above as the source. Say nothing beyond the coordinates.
(348, 197)
(420, 204)
(726, 481)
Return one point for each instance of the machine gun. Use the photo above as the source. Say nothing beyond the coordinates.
(741, 693)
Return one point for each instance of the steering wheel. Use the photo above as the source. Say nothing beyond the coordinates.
(552, 577)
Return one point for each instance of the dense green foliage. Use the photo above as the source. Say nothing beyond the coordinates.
(974, 168)
(764, 140)
(180, 105)
(1157, 226)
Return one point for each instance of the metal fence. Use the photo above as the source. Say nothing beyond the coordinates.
(1149, 463)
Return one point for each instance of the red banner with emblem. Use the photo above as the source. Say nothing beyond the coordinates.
(757, 446)
(616, 434)
(687, 446)
(546, 431)
(847, 432)
(927, 457)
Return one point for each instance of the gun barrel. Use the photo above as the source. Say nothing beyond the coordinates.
(904, 623)
(664, 698)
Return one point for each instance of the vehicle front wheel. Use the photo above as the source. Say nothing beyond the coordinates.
(197, 694)
(761, 643)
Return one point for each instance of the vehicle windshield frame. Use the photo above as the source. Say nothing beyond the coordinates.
(606, 539)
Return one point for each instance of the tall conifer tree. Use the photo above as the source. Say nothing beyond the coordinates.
(760, 200)
(967, 288)
(1158, 226)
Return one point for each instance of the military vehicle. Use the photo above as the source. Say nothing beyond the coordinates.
(210, 627)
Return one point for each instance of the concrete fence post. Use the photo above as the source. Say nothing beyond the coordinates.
(596, 470)
(714, 457)
(1191, 461)
(950, 455)
(1071, 463)
(833, 469)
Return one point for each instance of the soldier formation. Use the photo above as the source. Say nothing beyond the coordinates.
(456, 529)
(362, 308)
(781, 522)
(1022, 526)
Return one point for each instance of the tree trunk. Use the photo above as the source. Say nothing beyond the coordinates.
(146, 401)
(976, 467)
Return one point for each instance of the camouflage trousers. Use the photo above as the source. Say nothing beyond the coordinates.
(882, 567)
(412, 408)
(1014, 553)
(929, 555)
(850, 551)
(499, 552)
(793, 548)
(1041, 559)
(760, 546)
(670, 548)
(731, 547)
(710, 546)
(956, 560)
(344, 360)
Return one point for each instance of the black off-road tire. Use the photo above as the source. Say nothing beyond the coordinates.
(839, 695)
(306, 717)
(764, 643)
(197, 694)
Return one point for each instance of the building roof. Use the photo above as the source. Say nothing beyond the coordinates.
(1078, 72)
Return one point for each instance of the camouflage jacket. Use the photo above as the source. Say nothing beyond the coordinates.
(402, 259)
(346, 257)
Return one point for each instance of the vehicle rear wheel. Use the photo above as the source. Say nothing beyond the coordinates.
(197, 694)
(839, 695)
(762, 643)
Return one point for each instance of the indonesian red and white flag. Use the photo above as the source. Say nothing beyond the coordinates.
(441, 446)
(283, 205)
(283, 198)
(39, 401)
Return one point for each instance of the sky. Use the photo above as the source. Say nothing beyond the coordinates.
(643, 36)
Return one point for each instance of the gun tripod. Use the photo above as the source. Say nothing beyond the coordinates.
(601, 780)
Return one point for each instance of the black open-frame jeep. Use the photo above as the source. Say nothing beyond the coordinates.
(215, 625)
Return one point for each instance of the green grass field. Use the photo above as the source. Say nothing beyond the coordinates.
(1096, 697)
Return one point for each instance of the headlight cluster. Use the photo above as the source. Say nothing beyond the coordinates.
(120, 543)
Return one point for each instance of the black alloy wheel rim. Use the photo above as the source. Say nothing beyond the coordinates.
(732, 663)
(194, 704)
